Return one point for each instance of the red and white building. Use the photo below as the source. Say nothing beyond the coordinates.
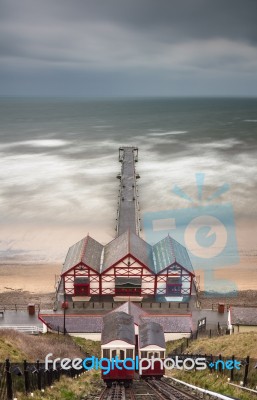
(127, 266)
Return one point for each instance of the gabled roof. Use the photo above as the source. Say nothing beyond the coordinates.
(243, 316)
(158, 257)
(94, 324)
(167, 252)
(172, 323)
(141, 250)
(127, 243)
(87, 251)
(73, 323)
(151, 333)
(115, 251)
(131, 309)
(118, 326)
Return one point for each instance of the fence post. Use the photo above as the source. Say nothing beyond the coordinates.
(47, 380)
(8, 380)
(58, 368)
(39, 384)
(210, 333)
(211, 363)
(232, 370)
(51, 374)
(246, 370)
(26, 376)
(220, 364)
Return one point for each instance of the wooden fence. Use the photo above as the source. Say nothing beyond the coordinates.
(221, 330)
(29, 377)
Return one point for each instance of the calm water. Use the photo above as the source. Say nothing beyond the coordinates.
(59, 162)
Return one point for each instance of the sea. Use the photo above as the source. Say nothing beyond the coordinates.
(59, 163)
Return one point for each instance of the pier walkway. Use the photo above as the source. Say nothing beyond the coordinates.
(128, 209)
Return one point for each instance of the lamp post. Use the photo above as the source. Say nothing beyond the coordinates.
(64, 314)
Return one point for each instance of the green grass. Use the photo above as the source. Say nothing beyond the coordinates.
(173, 344)
(88, 384)
(9, 349)
(214, 382)
(19, 346)
(93, 348)
(241, 345)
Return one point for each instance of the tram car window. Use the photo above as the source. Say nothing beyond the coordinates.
(151, 346)
(118, 340)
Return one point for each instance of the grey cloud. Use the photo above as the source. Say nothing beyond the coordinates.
(198, 18)
(119, 46)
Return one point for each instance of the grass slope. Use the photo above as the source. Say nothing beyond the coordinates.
(87, 386)
(240, 345)
(19, 346)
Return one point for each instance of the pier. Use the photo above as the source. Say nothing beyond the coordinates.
(128, 206)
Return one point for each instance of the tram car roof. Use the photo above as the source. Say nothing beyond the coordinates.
(151, 334)
(118, 326)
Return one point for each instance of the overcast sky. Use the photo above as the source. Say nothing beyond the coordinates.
(128, 47)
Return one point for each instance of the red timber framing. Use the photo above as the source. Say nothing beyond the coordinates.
(134, 268)
(183, 288)
(150, 281)
(81, 271)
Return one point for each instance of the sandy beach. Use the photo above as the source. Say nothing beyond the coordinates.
(22, 284)
(30, 278)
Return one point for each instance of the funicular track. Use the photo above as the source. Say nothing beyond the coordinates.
(170, 392)
(117, 392)
(147, 390)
